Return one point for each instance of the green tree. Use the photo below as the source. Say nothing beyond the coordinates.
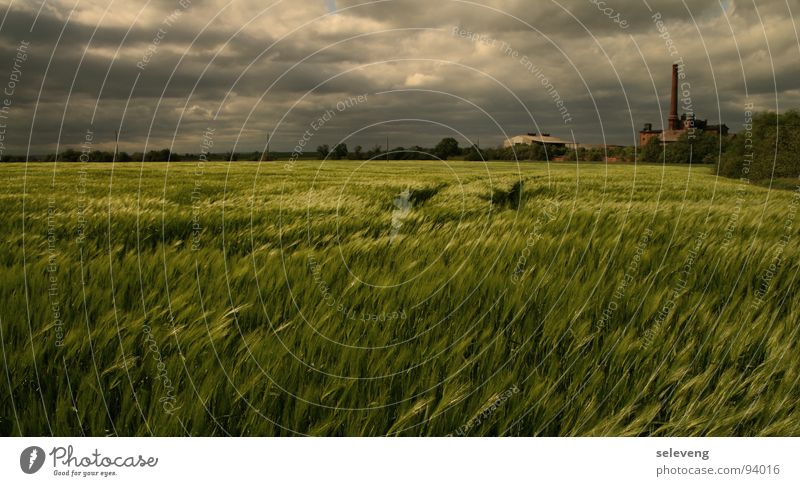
(339, 152)
(537, 152)
(652, 152)
(448, 147)
(374, 152)
(629, 153)
(768, 151)
(474, 153)
(323, 151)
(700, 148)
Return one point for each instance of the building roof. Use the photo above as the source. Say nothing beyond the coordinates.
(534, 138)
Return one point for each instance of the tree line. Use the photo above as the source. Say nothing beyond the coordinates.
(766, 149)
(445, 149)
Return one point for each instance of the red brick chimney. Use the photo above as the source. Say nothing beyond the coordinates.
(674, 122)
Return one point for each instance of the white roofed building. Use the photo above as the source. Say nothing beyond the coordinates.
(539, 139)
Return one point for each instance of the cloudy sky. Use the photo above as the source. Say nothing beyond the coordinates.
(163, 72)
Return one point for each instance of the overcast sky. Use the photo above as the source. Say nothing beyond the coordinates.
(166, 71)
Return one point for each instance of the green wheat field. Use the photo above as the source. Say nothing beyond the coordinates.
(396, 298)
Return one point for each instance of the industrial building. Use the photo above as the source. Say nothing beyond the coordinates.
(678, 126)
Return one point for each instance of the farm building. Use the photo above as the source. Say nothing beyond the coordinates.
(538, 139)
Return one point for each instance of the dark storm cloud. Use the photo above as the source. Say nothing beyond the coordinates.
(520, 15)
(228, 59)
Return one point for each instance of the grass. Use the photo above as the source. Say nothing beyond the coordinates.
(507, 300)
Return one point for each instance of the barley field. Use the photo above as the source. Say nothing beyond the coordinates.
(396, 298)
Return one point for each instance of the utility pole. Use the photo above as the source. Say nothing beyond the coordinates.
(387, 148)
(265, 153)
